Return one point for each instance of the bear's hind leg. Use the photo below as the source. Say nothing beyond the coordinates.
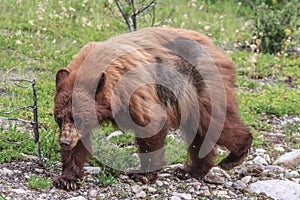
(151, 154)
(199, 167)
(237, 139)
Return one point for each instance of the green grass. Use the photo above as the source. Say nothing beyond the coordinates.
(37, 39)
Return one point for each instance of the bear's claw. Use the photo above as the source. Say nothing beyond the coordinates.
(66, 183)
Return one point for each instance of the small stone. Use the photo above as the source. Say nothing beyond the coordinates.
(152, 189)
(260, 151)
(141, 194)
(114, 134)
(40, 171)
(246, 179)
(292, 174)
(164, 175)
(260, 160)
(77, 198)
(136, 188)
(240, 185)
(267, 158)
(279, 149)
(18, 191)
(182, 195)
(93, 193)
(253, 169)
(228, 184)
(159, 183)
(206, 193)
(92, 170)
(5, 172)
(290, 159)
(274, 168)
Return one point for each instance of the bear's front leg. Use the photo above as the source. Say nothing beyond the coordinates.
(73, 162)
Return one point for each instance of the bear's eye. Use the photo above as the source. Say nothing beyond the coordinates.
(78, 121)
(59, 121)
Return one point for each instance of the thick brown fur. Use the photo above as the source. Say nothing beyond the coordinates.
(235, 136)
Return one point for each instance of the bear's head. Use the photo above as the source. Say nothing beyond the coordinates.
(75, 108)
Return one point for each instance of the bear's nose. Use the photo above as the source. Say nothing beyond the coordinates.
(65, 143)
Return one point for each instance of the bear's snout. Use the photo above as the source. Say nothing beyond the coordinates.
(65, 144)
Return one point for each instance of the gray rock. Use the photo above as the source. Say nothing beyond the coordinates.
(141, 194)
(274, 168)
(260, 160)
(182, 195)
(5, 172)
(240, 185)
(292, 174)
(253, 169)
(151, 189)
(114, 134)
(159, 183)
(92, 170)
(136, 188)
(175, 198)
(77, 198)
(290, 159)
(277, 189)
(246, 179)
(93, 193)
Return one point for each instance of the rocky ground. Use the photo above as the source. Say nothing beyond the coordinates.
(266, 174)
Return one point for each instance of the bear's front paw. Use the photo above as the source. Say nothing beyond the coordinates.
(66, 183)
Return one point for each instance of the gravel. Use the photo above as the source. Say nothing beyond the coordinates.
(260, 167)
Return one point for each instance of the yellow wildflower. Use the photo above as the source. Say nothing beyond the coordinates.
(287, 31)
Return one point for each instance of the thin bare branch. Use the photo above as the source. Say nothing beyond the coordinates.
(114, 14)
(154, 14)
(21, 80)
(152, 3)
(166, 18)
(124, 16)
(16, 119)
(20, 108)
(10, 142)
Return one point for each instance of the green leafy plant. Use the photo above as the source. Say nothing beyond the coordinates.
(273, 26)
(105, 179)
(38, 182)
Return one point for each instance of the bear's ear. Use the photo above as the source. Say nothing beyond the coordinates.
(101, 81)
(61, 75)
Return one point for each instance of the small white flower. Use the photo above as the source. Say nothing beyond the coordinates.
(185, 16)
(72, 9)
(240, 3)
(206, 28)
(237, 31)
(99, 27)
(19, 32)
(31, 22)
(252, 47)
(54, 41)
(18, 42)
(110, 1)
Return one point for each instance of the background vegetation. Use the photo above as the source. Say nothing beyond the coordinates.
(39, 37)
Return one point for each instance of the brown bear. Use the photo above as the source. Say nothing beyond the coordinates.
(150, 81)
